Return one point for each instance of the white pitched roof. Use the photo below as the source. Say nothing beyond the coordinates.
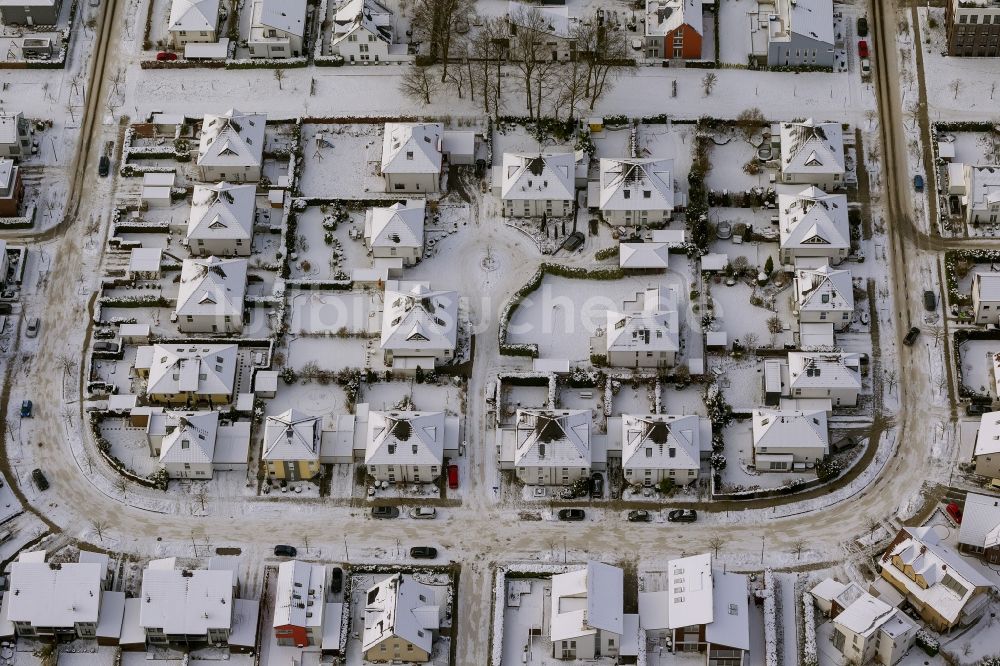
(292, 435)
(199, 368)
(300, 594)
(865, 615)
(586, 600)
(400, 606)
(552, 438)
(412, 148)
(234, 139)
(643, 255)
(690, 601)
(783, 428)
(654, 328)
(824, 288)
(420, 319)
(190, 437)
(987, 284)
(535, 176)
(813, 219)
(405, 438)
(637, 184)
(398, 225)
(988, 437)
(185, 601)
(285, 15)
(194, 15)
(660, 441)
(212, 287)
(47, 594)
(982, 185)
(980, 521)
(366, 14)
(665, 16)
(824, 370)
(222, 212)
(812, 148)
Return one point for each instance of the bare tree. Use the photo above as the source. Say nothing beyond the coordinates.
(122, 486)
(201, 496)
(956, 87)
(715, 543)
(889, 379)
(418, 84)
(708, 82)
(532, 60)
(441, 22)
(459, 78)
(871, 115)
(798, 548)
(605, 54)
(487, 48)
(774, 326)
(913, 113)
(751, 342)
(749, 121)
(871, 524)
(279, 76)
(99, 526)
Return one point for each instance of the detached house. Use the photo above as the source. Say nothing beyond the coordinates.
(533, 185)
(935, 580)
(299, 602)
(210, 295)
(986, 297)
(188, 373)
(812, 153)
(401, 618)
(973, 28)
(411, 157)
(813, 223)
(195, 445)
(642, 336)
(636, 191)
(980, 191)
(30, 12)
(50, 601)
(793, 33)
(835, 376)
(277, 28)
(397, 231)
(15, 135)
(979, 533)
(659, 446)
(363, 33)
(552, 447)
(409, 446)
(185, 607)
(587, 612)
(221, 220)
(193, 21)
(986, 454)
(419, 327)
(674, 29)
(785, 439)
(292, 443)
(11, 188)
(824, 295)
(231, 147)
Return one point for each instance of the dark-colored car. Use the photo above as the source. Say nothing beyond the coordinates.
(453, 477)
(573, 241)
(911, 336)
(423, 552)
(862, 48)
(596, 485)
(930, 300)
(336, 580)
(862, 26)
(955, 512)
(918, 183)
(26, 407)
(104, 166)
(166, 56)
(977, 409)
(282, 550)
(39, 479)
(105, 346)
(572, 514)
(682, 516)
(385, 512)
(639, 516)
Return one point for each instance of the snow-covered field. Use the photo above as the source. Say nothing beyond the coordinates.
(977, 365)
(341, 161)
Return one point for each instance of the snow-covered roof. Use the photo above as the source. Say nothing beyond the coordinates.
(367, 14)
(810, 18)
(988, 437)
(813, 219)
(420, 319)
(987, 286)
(47, 594)
(810, 147)
(405, 438)
(222, 212)
(552, 438)
(292, 435)
(285, 15)
(587, 600)
(555, 17)
(810, 370)
(300, 594)
(824, 288)
(412, 148)
(691, 598)
(665, 16)
(398, 225)
(982, 185)
(730, 625)
(7, 174)
(401, 607)
(186, 602)
(661, 441)
(980, 521)
(637, 184)
(782, 428)
(198, 368)
(9, 127)
(194, 15)
(827, 589)
(865, 615)
(212, 287)
(234, 139)
(654, 328)
(190, 437)
(534, 176)
(145, 260)
(643, 255)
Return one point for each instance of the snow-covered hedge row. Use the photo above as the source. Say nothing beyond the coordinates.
(810, 657)
(770, 619)
(266, 63)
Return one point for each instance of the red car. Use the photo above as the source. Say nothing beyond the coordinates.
(453, 476)
(954, 512)
(862, 48)
(166, 56)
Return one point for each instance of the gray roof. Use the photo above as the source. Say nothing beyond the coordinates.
(980, 521)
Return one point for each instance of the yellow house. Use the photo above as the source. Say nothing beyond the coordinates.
(291, 445)
(401, 618)
(180, 374)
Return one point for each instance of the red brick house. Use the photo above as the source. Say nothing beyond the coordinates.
(674, 29)
(11, 189)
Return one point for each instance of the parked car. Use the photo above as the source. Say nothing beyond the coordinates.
(918, 183)
(453, 477)
(911, 336)
(282, 550)
(26, 407)
(866, 67)
(596, 485)
(166, 56)
(977, 409)
(423, 553)
(423, 512)
(104, 333)
(862, 48)
(572, 514)
(385, 512)
(336, 580)
(930, 300)
(105, 346)
(6, 536)
(862, 26)
(639, 516)
(39, 479)
(573, 241)
(33, 325)
(682, 516)
(104, 166)
(955, 512)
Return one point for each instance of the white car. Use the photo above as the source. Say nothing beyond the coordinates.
(32, 329)
(423, 512)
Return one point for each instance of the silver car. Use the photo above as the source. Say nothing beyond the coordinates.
(32, 330)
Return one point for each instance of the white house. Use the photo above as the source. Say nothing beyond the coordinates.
(299, 604)
(231, 147)
(832, 375)
(783, 439)
(409, 446)
(210, 295)
(979, 533)
(552, 447)
(194, 445)
(277, 28)
(182, 606)
(642, 336)
(187, 373)
(221, 220)
(986, 454)
(661, 446)
(193, 21)
(586, 613)
(981, 193)
(986, 297)
(824, 295)
(813, 223)
(48, 601)
(397, 231)
(552, 38)
(644, 256)
(363, 33)
(15, 135)
(292, 443)
(636, 190)
(401, 618)
(411, 157)
(812, 153)
(536, 184)
(419, 326)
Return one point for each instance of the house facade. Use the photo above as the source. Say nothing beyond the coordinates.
(986, 297)
(533, 185)
(973, 28)
(980, 189)
(15, 135)
(831, 375)
(409, 446)
(674, 29)
(363, 33)
(210, 295)
(193, 21)
(277, 29)
(794, 33)
(411, 157)
(656, 447)
(397, 231)
(552, 446)
(184, 442)
(292, 443)
(986, 454)
(586, 612)
(784, 438)
(221, 220)
(401, 619)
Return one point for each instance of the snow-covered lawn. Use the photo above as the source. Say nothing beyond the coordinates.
(612, 143)
(974, 147)
(444, 396)
(315, 258)
(740, 379)
(331, 353)
(977, 365)
(517, 139)
(129, 445)
(734, 29)
(669, 141)
(311, 398)
(513, 398)
(342, 161)
(976, 96)
(739, 474)
(727, 160)
(638, 399)
(735, 315)
(329, 312)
